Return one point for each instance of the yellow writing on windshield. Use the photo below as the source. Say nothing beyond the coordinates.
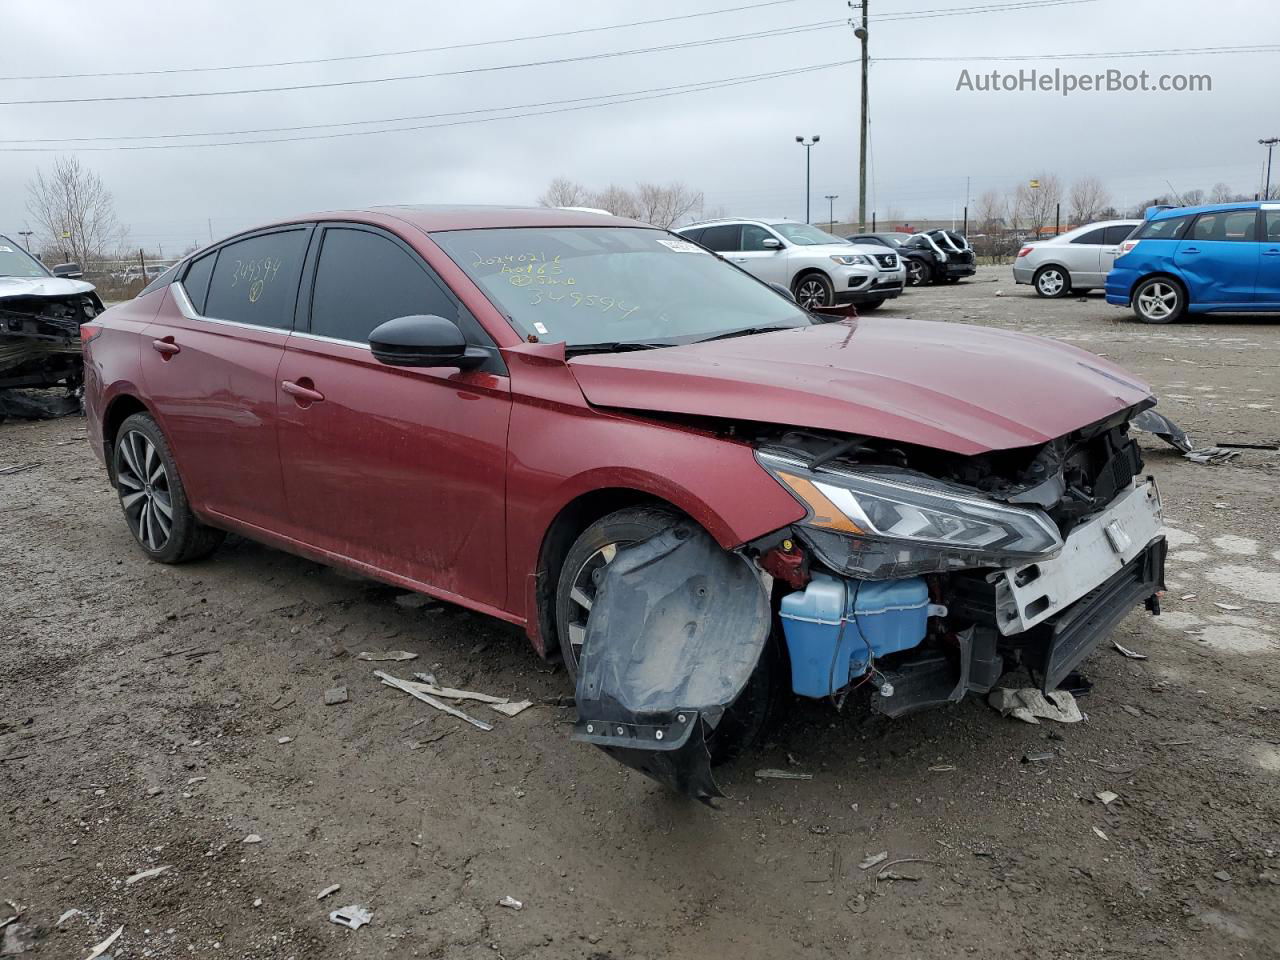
(591, 300)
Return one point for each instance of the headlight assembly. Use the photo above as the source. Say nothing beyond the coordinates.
(850, 259)
(879, 523)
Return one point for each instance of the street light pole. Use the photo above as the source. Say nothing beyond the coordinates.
(1268, 143)
(808, 145)
(831, 199)
(861, 33)
(26, 238)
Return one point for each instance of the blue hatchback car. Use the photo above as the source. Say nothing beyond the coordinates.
(1220, 257)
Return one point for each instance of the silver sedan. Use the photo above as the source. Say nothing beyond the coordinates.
(1076, 261)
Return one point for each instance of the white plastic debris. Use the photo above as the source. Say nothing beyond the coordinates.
(1107, 797)
(872, 860)
(1227, 606)
(1100, 833)
(377, 655)
(328, 890)
(283, 740)
(413, 690)
(144, 874)
(511, 902)
(252, 838)
(772, 774)
(105, 945)
(73, 912)
(354, 916)
(1131, 654)
(511, 709)
(1028, 704)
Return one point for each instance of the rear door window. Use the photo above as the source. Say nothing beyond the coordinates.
(255, 280)
(1093, 236)
(1118, 234)
(196, 280)
(1229, 225)
(1272, 226)
(723, 239)
(364, 279)
(1171, 228)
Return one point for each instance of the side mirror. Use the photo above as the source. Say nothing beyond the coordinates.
(785, 291)
(68, 271)
(771, 243)
(423, 341)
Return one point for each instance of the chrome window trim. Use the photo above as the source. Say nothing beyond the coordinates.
(188, 310)
(323, 339)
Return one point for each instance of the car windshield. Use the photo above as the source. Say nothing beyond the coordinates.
(805, 234)
(16, 262)
(602, 285)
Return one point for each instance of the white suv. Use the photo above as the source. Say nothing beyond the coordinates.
(819, 269)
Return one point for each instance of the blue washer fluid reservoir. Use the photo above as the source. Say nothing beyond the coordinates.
(834, 626)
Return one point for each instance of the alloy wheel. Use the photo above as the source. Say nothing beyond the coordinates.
(1158, 301)
(916, 273)
(1050, 283)
(145, 495)
(811, 293)
(583, 595)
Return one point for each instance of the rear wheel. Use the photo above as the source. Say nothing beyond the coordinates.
(1052, 282)
(153, 498)
(814, 290)
(1159, 300)
(595, 548)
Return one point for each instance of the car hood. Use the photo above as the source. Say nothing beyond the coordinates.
(41, 287)
(838, 249)
(949, 386)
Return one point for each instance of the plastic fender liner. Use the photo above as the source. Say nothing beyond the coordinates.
(676, 629)
(1164, 428)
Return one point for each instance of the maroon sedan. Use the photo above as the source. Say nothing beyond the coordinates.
(697, 493)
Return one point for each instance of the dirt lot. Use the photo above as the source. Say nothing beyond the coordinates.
(145, 709)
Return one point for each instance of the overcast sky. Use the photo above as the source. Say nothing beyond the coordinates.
(737, 144)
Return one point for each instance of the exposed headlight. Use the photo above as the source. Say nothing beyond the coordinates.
(880, 523)
(850, 259)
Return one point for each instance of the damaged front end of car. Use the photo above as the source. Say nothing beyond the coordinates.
(922, 574)
(40, 344)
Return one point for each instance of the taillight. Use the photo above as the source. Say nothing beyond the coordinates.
(1127, 246)
(88, 332)
(1024, 251)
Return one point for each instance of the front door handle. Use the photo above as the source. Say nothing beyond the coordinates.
(166, 347)
(303, 390)
(1190, 249)
(738, 259)
(1273, 252)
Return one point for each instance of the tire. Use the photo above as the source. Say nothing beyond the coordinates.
(152, 497)
(1081, 291)
(1159, 300)
(747, 716)
(918, 273)
(870, 305)
(813, 290)
(1052, 282)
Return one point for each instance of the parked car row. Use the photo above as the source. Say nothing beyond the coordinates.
(935, 256)
(1179, 260)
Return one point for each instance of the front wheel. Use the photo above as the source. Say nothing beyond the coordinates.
(595, 548)
(153, 498)
(814, 290)
(917, 273)
(1159, 300)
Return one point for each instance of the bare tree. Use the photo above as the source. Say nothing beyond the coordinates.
(564, 192)
(619, 201)
(666, 206)
(1037, 206)
(1192, 198)
(1088, 198)
(1221, 193)
(74, 211)
(989, 213)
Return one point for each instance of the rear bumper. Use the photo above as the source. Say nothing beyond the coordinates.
(1119, 283)
(957, 270)
(1023, 274)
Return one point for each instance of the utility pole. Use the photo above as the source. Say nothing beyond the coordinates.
(808, 147)
(26, 238)
(831, 210)
(1268, 143)
(861, 34)
(209, 224)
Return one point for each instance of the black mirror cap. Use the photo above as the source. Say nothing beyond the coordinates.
(423, 341)
(68, 271)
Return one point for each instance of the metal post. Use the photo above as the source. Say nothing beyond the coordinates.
(831, 210)
(807, 146)
(965, 229)
(862, 34)
(1057, 218)
(1268, 143)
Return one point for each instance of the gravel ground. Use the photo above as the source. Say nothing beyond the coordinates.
(145, 713)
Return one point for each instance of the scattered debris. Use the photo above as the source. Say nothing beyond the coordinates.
(1107, 797)
(257, 903)
(252, 838)
(145, 874)
(277, 705)
(413, 690)
(379, 655)
(1223, 876)
(1038, 757)
(1100, 833)
(73, 912)
(1227, 606)
(18, 938)
(511, 709)
(872, 860)
(942, 768)
(449, 693)
(1188, 596)
(1131, 710)
(335, 695)
(354, 916)
(1212, 455)
(196, 780)
(154, 791)
(1028, 704)
(105, 945)
(885, 873)
(17, 468)
(511, 902)
(772, 774)
(328, 890)
(426, 677)
(1131, 654)
(283, 740)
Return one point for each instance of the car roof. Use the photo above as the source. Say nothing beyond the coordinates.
(432, 218)
(1204, 208)
(762, 220)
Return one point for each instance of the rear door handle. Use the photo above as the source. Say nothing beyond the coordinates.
(738, 259)
(302, 391)
(1273, 252)
(1190, 249)
(166, 347)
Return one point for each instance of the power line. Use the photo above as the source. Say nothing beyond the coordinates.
(759, 34)
(690, 87)
(398, 53)
(656, 94)
(980, 8)
(1114, 54)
